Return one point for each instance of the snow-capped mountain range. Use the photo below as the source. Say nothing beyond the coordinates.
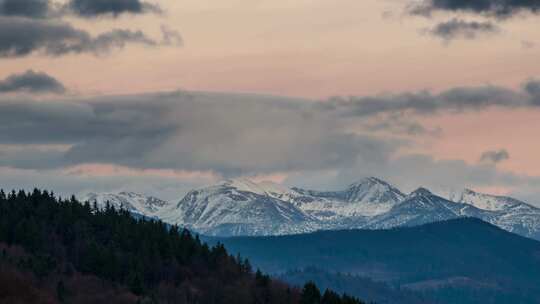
(241, 207)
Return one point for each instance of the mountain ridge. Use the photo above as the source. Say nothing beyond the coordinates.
(462, 260)
(243, 207)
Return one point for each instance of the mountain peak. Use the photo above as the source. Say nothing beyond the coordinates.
(420, 192)
(372, 191)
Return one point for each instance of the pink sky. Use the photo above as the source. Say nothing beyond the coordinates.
(317, 49)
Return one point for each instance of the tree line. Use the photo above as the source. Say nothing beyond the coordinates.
(155, 262)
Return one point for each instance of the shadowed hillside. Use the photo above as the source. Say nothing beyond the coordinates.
(62, 251)
(457, 260)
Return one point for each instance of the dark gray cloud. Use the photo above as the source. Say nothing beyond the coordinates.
(425, 103)
(229, 134)
(27, 121)
(495, 156)
(32, 157)
(81, 8)
(496, 8)
(457, 28)
(23, 36)
(233, 134)
(33, 82)
(95, 8)
(25, 8)
(533, 89)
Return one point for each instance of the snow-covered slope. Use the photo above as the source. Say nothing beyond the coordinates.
(421, 207)
(489, 202)
(506, 212)
(242, 207)
(239, 207)
(130, 201)
(368, 197)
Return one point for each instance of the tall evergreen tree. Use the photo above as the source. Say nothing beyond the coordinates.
(310, 294)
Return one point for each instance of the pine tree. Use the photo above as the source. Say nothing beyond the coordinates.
(64, 237)
(61, 291)
(310, 294)
(261, 279)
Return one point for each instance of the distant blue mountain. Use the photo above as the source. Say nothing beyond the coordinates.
(463, 260)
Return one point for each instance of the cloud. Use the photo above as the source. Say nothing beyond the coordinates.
(457, 28)
(23, 36)
(32, 156)
(171, 37)
(80, 8)
(411, 171)
(32, 82)
(495, 8)
(95, 8)
(38, 26)
(533, 89)
(459, 99)
(433, 173)
(236, 135)
(25, 8)
(494, 156)
(68, 182)
(229, 134)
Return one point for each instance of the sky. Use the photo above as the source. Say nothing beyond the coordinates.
(162, 96)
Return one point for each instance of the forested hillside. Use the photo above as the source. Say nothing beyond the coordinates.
(456, 261)
(63, 251)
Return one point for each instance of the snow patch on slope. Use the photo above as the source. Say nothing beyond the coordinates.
(130, 201)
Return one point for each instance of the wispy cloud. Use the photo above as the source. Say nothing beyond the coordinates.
(25, 8)
(236, 134)
(32, 82)
(39, 26)
(496, 8)
(495, 156)
(229, 135)
(461, 29)
(96, 8)
(80, 8)
(22, 37)
(459, 99)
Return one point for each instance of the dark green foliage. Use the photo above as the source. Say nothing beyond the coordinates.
(261, 279)
(330, 297)
(310, 294)
(135, 283)
(61, 291)
(156, 262)
(368, 289)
